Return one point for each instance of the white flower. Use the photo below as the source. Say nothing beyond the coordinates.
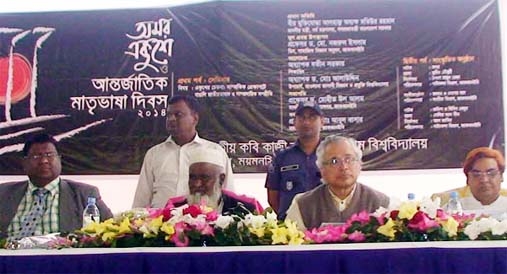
(271, 217)
(499, 228)
(254, 221)
(485, 224)
(380, 211)
(224, 221)
(472, 231)
(475, 228)
(178, 211)
(429, 206)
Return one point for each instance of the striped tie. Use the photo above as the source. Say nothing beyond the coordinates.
(34, 217)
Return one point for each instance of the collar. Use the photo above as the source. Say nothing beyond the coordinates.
(342, 204)
(52, 187)
(298, 145)
(196, 139)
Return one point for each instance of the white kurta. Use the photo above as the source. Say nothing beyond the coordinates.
(164, 173)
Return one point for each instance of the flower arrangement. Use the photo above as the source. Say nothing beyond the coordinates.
(407, 221)
(199, 225)
(194, 225)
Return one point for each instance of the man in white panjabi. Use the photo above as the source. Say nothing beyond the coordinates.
(164, 173)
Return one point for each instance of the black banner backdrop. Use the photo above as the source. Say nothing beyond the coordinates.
(417, 83)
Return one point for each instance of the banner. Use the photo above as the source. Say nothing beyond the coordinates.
(417, 83)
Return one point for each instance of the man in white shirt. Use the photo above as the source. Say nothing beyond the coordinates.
(483, 168)
(164, 173)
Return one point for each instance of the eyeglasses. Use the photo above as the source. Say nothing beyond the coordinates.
(491, 173)
(335, 161)
(48, 155)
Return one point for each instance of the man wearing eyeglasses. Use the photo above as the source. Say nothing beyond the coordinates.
(45, 203)
(205, 182)
(294, 170)
(483, 168)
(341, 196)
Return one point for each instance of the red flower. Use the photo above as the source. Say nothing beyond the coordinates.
(155, 212)
(422, 222)
(193, 210)
(394, 214)
(211, 216)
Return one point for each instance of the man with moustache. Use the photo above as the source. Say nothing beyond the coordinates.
(294, 170)
(205, 180)
(45, 203)
(340, 195)
(164, 173)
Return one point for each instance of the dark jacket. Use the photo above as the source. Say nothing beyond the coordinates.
(73, 200)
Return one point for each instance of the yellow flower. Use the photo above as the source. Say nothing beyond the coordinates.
(138, 222)
(387, 229)
(296, 240)
(90, 228)
(124, 226)
(450, 226)
(112, 227)
(97, 228)
(150, 229)
(259, 232)
(168, 229)
(206, 209)
(279, 235)
(106, 237)
(155, 224)
(296, 236)
(407, 210)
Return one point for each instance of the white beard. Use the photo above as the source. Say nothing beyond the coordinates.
(212, 201)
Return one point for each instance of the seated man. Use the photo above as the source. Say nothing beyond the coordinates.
(340, 195)
(483, 168)
(45, 203)
(205, 182)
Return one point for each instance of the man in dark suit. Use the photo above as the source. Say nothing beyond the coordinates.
(60, 202)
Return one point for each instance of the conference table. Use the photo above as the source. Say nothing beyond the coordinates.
(407, 257)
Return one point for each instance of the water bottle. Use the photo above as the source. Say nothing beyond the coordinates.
(454, 205)
(91, 213)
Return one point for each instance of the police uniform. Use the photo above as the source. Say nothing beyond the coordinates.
(290, 173)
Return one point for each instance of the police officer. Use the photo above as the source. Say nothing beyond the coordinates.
(294, 170)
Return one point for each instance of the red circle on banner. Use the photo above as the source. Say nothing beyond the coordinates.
(21, 78)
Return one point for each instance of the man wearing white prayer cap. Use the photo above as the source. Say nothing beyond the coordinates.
(205, 181)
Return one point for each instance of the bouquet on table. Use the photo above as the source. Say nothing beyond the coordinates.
(410, 221)
(199, 225)
(194, 225)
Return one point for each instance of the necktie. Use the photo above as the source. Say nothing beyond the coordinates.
(33, 217)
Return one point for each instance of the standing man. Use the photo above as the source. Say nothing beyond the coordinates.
(164, 173)
(45, 203)
(294, 170)
(335, 201)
